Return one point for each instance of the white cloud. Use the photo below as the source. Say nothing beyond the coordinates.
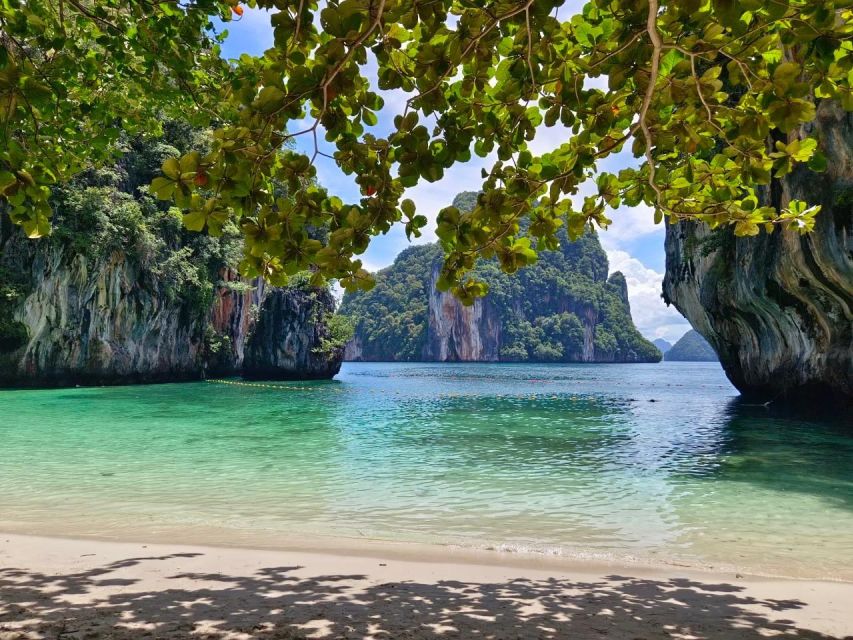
(631, 224)
(651, 316)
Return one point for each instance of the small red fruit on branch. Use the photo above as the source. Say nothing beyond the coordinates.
(370, 191)
(238, 10)
(200, 179)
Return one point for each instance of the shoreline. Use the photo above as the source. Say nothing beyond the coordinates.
(387, 590)
(498, 555)
(484, 554)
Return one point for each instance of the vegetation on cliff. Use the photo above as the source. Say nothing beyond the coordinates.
(13, 287)
(107, 212)
(562, 309)
(691, 347)
(391, 319)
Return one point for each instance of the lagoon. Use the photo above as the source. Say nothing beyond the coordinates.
(655, 464)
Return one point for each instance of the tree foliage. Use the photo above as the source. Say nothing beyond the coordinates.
(710, 96)
(76, 74)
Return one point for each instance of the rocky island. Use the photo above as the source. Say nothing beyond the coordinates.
(121, 293)
(564, 308)
(691, 347)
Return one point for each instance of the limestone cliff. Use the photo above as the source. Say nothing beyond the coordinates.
(235, 311)
(562, 309)
(97, 323)
(290, 338)
(113, 321)
(121, 293)
(458, 333)
(778, 309)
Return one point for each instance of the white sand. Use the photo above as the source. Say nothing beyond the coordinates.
(79, 589)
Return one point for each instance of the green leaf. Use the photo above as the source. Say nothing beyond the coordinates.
(7, 179)
(195, 220)
(163, 188)
(38, 225)
(789, 114)
(802, 150)
(785, 75)
(728, 12)
(818, 162)
(746, 228)
(172, 168)
(270, 99)
(189, 162)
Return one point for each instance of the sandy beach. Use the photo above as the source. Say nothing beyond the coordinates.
(79, 589)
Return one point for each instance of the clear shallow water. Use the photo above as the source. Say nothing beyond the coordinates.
(563, 459)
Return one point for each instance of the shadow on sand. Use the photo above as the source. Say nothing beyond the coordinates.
(274, 603)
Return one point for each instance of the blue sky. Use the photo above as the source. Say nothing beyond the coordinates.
(634, 244)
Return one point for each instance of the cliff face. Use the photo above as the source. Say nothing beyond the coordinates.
(778, 309)
(459, 333)
(121, 293)
(288, 339)
(112, 321)
(562, 309)
(235, 311)
(100, 323)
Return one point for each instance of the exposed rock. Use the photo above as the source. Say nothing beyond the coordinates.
(778, 309)
(456, 333)
(287, 341)
(235, 310)
(121, 293)
(111, 321)
(354, 351)
(94, 323)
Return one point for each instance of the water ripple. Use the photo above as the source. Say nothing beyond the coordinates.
(640, 461)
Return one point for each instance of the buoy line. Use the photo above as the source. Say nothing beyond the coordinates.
(261, 385)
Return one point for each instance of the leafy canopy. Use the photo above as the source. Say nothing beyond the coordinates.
(709, 95)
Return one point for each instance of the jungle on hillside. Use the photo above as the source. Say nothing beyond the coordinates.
(564, 308)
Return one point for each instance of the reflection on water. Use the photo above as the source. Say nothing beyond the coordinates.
(654, 462)
(789, 453)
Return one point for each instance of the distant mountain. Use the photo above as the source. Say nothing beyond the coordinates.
(662, 345)
(692, 347)
(564, 308)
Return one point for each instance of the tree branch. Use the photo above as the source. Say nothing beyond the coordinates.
(657, 47)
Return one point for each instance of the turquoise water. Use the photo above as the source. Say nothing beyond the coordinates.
(574, 460)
